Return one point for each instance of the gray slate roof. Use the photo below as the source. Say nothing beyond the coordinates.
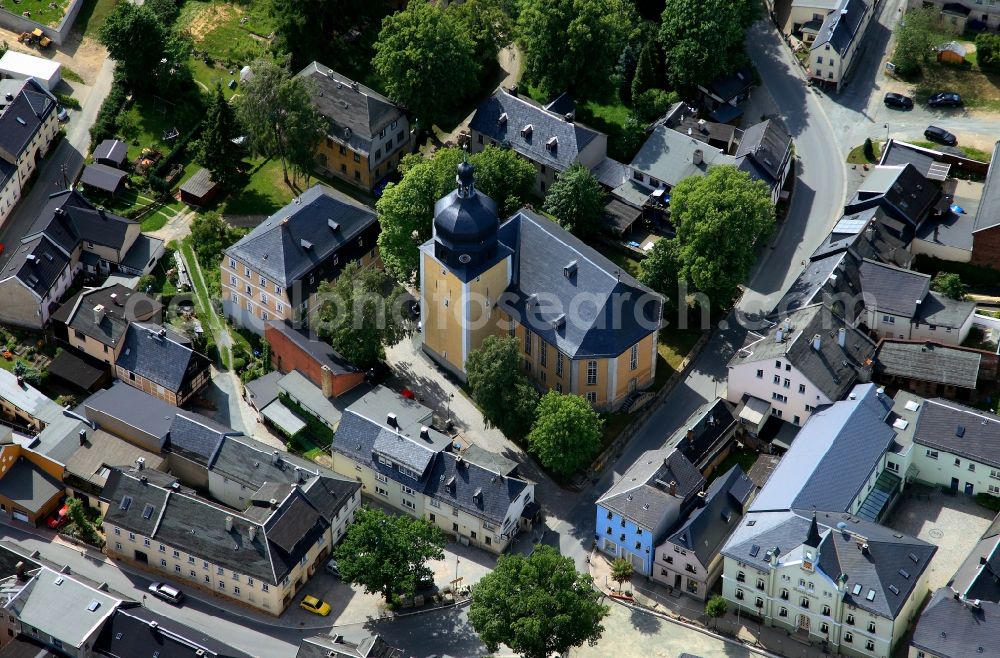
(988, 213)
(335, 646)
(22, 118)
(69, 219)
(127, 305)
(133, 408)
(929, 362)
(841, 26)
(364, 432)
(29, 486)
(138, 631)
(197, 436)
(901, 190)
(951, 628)
(355, 114)
(889, 289)
(102, 177)
(162, 359)
(642, 494)
(667, 156)
(275, 247)
(888, 553)
(114, 150)
(720, 511)
(943, 311)
(263, 390)
(37, 263)
(542, 249)
(767, 143)
(963, 431)
(571, 137)
(833, 455)
(833, 369)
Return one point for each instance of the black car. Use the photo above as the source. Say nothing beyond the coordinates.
(945, 99)
(898, 101)
(940, 135)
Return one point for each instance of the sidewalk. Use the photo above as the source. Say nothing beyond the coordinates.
(691, 612)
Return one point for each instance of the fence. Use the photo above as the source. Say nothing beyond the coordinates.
(58, 34)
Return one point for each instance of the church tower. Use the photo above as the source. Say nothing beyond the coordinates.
(464, 269)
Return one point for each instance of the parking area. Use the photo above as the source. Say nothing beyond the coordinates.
(953, 523)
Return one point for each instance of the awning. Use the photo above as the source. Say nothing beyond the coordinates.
(283, 418)
(755, 411)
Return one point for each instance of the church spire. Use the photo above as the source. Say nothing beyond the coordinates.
(813, 538)
(466, 179)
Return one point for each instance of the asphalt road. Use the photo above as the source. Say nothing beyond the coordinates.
(64, 163)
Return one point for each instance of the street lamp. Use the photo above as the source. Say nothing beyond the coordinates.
(886, 126)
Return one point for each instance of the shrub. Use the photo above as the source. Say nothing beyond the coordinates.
(239, 363)
(988, 51)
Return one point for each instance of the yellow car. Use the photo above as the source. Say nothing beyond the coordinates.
(315, 606)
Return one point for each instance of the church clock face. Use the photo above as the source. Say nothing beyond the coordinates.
(464, 259)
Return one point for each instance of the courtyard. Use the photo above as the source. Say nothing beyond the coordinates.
(953, 523)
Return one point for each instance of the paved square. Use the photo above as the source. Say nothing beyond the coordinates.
(953, 523)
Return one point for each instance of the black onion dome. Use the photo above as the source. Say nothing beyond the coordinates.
(465, 222)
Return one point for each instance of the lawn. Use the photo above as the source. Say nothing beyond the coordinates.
(144, 125)
(227, 32)
(42, 11)
(608, 118)
(745, 457)
(857, 154)
(978, 88)
(673, 347)
(132, 199)
(968, 151)
(622, 260)
(92, 15)
(265, 192)
(206, 311)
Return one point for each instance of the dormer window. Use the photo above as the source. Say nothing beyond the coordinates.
(526, 131)
(552, 143)
(502, 119)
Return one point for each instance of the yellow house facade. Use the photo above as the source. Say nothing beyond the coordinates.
(583, 326)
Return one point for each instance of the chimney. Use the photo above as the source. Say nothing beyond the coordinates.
(252, 532)
(425, 433)
(354, 86)
(779, 336)
(114, 299)
(140, 463)
(512, 90)
(697, 157)
(842, 337)
(672, 488)
(788, 325)
(273, 503)
(817, 342)
(326, 376)
(275, 457)
(879, 392)
(99, 314)
(229, 524)
(391, 421)
(83, 437)
(20, 381)
(19, 570)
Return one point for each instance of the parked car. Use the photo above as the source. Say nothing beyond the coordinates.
(168, 593)
(945, 99)
(60, 518)
(61, 113)
(898, 101)
(940, 135)
(315, 606)
(332, 568)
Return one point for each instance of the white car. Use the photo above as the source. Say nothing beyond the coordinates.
(332, 568)
(61, 113)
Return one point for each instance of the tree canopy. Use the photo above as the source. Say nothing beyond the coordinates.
(387, 553)
(406, 208)
(916, 36)
(537, 605)
(279, 118)
(499, 385)
(703, 39)
(215, 149)
(950, 285)
(488, 23)
(576, 200)
(360, 313)
(566, 435)
(210, 236)
(720, 219)
(426, 60)
(136, 39)
(574, 45)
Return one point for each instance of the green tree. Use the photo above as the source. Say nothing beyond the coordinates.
(652, 104)
(165, 10)
(278, 116)
(499, 386)
(869, 149)
(84, 527)
(649, 68)
(627, 64)
(621, 570)
(488, 23)
(659, 268)
(426, 60)
(359, 314)
(915, 36)
(576, 200)
(988, 51)
(215, 150)
(537, 605)
(566, 435)
(136, 39)
(703, 39)
(406, 208)
(716, 607)
(210, 236)
(573, 44)
(387, 553)
(950, 285)
(720, 220)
